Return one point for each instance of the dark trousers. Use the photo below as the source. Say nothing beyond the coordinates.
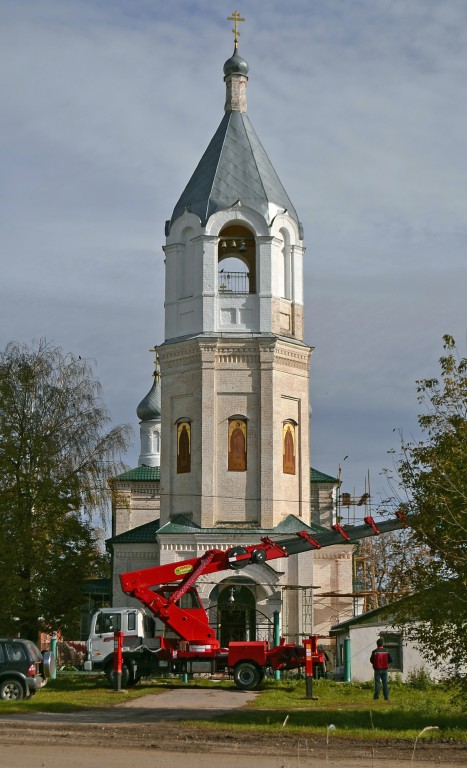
(381, 676)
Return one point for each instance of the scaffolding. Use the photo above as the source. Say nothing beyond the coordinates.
(297, 609)
(365, 593)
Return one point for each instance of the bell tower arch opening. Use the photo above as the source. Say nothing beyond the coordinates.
(236, 260)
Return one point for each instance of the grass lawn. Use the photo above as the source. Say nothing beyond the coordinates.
(349, 707)
(69, 693)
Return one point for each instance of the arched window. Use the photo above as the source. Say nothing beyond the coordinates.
(156, 441)
(237, 444)
(288, 447)
(183, 446)
(286, 266)
(236, 257)
(185, 273)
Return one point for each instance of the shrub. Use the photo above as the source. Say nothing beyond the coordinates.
(419, 679)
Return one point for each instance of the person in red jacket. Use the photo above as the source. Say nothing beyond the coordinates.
(380, 659)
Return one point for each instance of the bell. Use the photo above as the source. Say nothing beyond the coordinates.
(224, 244)
(242, 248)
(234, 244)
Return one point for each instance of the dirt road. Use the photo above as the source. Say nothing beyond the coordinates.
(162, 731)
(40, 756)
(203, 753)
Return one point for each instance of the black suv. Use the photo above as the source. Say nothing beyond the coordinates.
(23, 668)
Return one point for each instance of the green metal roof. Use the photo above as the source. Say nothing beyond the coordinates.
(181, 524)
(142, 534)
(319, 477)
(151, 474)
(290, 524)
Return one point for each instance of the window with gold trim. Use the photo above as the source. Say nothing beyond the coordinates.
(183, 446)
(237, 444)
(288, 447)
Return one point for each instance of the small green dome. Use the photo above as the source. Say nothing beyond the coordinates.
(235, 65)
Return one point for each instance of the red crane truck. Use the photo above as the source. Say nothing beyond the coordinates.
(190, 645)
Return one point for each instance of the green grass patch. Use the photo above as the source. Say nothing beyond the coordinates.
(349, 707)
(371, 723)
(71, 694)
(277, 695)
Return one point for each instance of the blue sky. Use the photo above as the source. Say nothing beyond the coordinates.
(107, 108)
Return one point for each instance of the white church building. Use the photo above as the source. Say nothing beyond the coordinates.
(225, 428)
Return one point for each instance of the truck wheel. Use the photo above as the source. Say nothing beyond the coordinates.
(133, 680)
(110, 675)
(247, 676)
(11, 690)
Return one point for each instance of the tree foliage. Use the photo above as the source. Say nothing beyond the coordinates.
(384, 567)
(433, 477)
(57, 454)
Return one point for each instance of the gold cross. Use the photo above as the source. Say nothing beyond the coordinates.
(235, 18)
(156, 361)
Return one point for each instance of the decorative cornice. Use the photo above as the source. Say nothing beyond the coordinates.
(136, 554)
(257, 351)
(319, 554)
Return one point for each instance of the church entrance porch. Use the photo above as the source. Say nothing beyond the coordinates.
(236, 610)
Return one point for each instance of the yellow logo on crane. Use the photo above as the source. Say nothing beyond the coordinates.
(183, 569)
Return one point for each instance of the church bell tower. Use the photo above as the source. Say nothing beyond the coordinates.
(234, 366)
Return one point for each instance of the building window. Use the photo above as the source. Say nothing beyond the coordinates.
(393, 644)
(286, 265)
(185, 274)
(183, 446)
(237, 444)
(288, 447)
(340, 654)
(156, 446)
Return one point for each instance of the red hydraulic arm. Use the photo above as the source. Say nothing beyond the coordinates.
(192, 626)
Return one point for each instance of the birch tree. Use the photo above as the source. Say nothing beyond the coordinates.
(57, 453)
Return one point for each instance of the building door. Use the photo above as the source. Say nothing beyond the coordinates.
(237, 614)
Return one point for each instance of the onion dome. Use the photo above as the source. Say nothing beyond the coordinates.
(236, 65)
(150, 406)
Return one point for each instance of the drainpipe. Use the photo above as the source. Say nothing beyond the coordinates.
(277, 639)
(53, 651)
(347, 669)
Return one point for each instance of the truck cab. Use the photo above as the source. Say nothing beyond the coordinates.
(137, 626)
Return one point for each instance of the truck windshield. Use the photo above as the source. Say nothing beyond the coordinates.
(108, 622)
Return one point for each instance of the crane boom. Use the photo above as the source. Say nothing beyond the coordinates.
(215, 560)
(168, 591)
